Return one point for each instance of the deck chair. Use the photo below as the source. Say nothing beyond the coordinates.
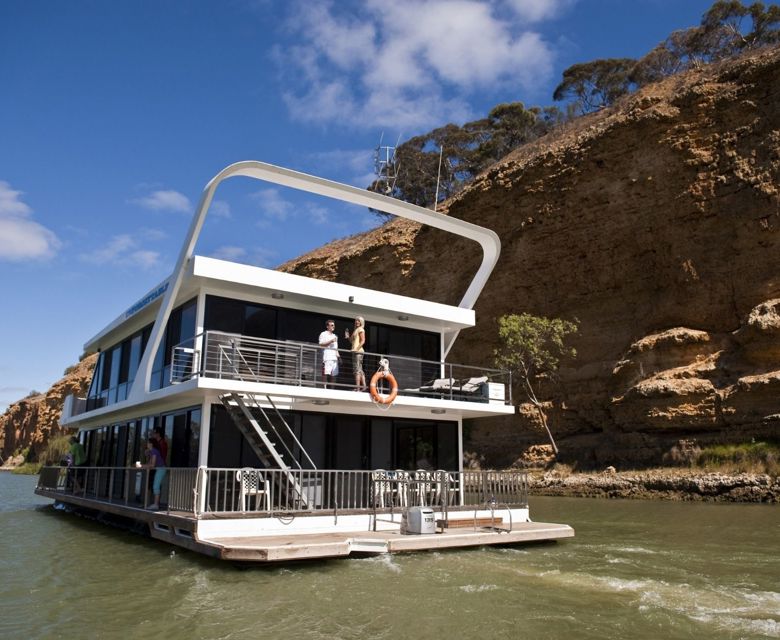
(424, 481)
(402, 487)
(445, 488)
(252, 484)
(473, 386)
(381, 486)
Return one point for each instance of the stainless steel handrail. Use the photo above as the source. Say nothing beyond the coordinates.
(128, 486)
(237, 357)
(220, 491)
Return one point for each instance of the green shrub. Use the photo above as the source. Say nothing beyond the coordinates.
(55, 449)
(28, 468)
(747, 457)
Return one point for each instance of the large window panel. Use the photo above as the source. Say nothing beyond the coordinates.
(381, 444)
(314, 438)
(350, 434)
(259, 321)
(193, 437)
(223, 314)
(447, 444)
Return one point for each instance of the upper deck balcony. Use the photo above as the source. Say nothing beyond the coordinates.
(235, 358)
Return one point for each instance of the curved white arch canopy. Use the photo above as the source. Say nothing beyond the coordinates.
(488, 240)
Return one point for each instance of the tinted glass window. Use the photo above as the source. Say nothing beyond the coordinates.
(134, 357)
(259, 322)
(116, 361)
(188, 321)
(193, 437)
(223, 314)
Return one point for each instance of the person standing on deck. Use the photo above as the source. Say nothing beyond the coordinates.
(79, 458)
(155, 461)
(357, 340)
(330, 353)
(161, 442)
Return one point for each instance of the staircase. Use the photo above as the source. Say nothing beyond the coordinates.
(240, 408)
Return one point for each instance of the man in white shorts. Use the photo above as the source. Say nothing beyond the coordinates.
(330, 353)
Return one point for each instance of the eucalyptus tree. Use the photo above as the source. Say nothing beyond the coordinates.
(596, 84)
(532, 347)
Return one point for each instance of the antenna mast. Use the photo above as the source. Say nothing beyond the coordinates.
(385, 165)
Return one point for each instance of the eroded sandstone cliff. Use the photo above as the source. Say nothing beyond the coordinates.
(655, 224)
(32, 421)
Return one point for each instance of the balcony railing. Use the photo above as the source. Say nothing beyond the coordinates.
(267, 492)
(129, 486)
(227, 356)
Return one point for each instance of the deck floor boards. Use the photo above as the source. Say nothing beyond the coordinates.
(339, 544)
(166, 525)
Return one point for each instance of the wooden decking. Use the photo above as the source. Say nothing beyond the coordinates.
(340, 545)
(181, 529)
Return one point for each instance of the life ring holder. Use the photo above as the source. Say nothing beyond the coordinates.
(383, 373)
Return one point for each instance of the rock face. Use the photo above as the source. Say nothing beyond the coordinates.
(664, 484)
(656, 225)
(32, 421)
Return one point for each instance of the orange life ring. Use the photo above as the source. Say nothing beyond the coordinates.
(378, 397)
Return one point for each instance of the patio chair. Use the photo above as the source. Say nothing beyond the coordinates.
(381, 486)
(445, 488)
(424, 481)
(402, 487)
(252, 484)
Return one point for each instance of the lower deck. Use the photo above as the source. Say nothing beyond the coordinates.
(343, 544)
(272, 534)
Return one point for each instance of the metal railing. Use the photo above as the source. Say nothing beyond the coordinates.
(268, 492)
(216, 354)
(129, 486)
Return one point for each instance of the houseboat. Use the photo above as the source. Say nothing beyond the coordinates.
(268, 458)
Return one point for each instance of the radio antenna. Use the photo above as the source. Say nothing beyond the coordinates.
(386, 166)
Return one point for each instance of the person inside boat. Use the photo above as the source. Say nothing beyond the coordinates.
(78, 459)
(329, 342)
(161, 443)
(155, 461)
(357, 339)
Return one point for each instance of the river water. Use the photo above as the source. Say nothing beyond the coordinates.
(637, 569)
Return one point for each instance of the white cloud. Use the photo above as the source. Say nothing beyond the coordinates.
(10, 202)
(125, 250)
(229, 253)
(538, 10)
(346, 161)
(317, 214)
(411, 64)
(220, 209)
(20, 237)
(273, 205)
(259, 257)
(165, 200)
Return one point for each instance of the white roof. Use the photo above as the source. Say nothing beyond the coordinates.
(310, 294)
(256, 284)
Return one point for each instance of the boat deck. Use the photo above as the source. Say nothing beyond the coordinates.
(339, 545)
(180, 528)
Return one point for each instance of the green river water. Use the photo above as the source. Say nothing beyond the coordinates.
(636, 569)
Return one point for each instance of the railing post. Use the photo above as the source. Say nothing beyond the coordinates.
(111, 485)
(199, 503)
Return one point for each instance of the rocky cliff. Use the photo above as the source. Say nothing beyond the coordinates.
(32, 421)
(655, 224)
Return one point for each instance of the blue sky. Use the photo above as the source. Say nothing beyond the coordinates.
(115, 114)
